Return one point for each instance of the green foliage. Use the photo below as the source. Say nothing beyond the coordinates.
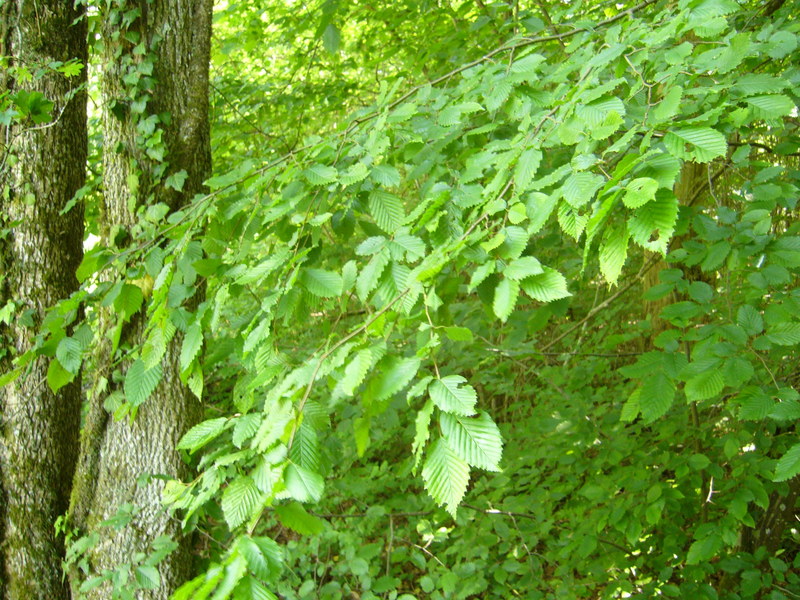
(411, 246)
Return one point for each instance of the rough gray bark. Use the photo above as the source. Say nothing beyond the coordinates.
(38, 446)
(114, 454)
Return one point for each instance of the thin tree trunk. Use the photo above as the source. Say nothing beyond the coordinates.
(115, 454)
(44, 167)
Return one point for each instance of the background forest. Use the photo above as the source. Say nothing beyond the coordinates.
(412, 299)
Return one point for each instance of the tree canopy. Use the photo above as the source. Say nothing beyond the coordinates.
(481, 299)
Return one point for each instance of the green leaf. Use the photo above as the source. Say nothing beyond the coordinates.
(422, 431)
(704, 385)
(446, 476)
(355, 372)
(57, 376)
(639, 192)
(386, 175)
(68, 353)
(147, 577)
(784, 333)
(321, 174)
(331, 38)
(305, 447)
(245, 428)
(387, 210)
(656, 396)
(716, 255)
(451, 396)
(141, 382)
(458, 334)
(772, 106)
(524, 266)
(240, 500)
(526, 168)
(547, 286)
(750, 319)
(394, 374)
(704, 549)
(356, 173)
(250, 588)
(754, 404)
(176, 180)
(192, 342)
(788, 465)
(370, 275)
(129, 300)
(202, 433)
(475, 439)
(361, 428)
(580, 188)
(264, 557)
(295, 517)
(325, 284)
(613, 253)
(505, 298)
(303, 484)
(669, 105)
(700, 144)
(413, 246)
(653, 224)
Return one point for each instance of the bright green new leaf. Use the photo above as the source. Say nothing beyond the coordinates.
(669, 105)
(358, 172)
(201, 434)
(249, 588)
(303, 484)
(394, 374)
(458, 334)
(446, 476)
(526, 168)
(57, 376)
(387, 210)
(613, 253)
(325, 284)
(141, 382)
(68, 353)
(386, 175)
(547, 286)
(639, 192)
(129, 300)
(294, 516)
(368, 277)
(524, 266)
(451, 395)
(475, 439)
(422, 431)
(772, 106)
(355, 372)
(305, 447)
(580, 188)
(505, 298)
(789, 464)
(321, 174)
(192, 342)
(240, 500)
(700, 144)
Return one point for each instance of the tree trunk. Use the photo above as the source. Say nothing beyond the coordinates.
(171, 79)
(43, 168)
